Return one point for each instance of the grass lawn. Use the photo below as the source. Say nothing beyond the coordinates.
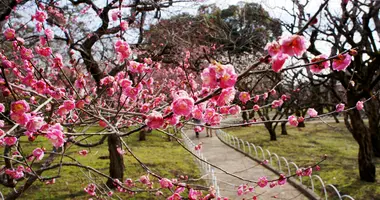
(306, 146)
(165, 158)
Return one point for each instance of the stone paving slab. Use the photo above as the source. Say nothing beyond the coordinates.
(235, 162)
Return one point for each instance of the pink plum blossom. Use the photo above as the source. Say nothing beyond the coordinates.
(244, 97)
(341, 62)
(123, 50)
(317, 68)
(20, 107)
(83, 152)
(256, 99)
(34, 124)
(154, 120)
(182, 104)
(293, 120)
(2, 108)
(208, 78)
(263, 181)
(91, 189)
(40, 16)
(26, 53)
(21, 119)
(256, 107)
(226, 96)
(38, 153)
(123, 25)
(55, 135)
(10, 140)
(282, 179)
(166, 183)
(312, 112)
(234, 110)
(294, 45)
(197, 114)
(9, 34)
(229, 78)
(277, 103)
(49, 34)
(278, 62)
(339, 107)
(273, 48)
(359, 105)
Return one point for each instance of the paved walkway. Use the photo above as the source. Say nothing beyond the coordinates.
(234, 162)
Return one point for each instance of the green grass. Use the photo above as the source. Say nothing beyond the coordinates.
(306, 146)
(163, 157)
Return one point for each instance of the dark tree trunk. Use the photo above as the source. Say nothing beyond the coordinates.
(116, 160)
(272, 132)
(142, 135)
(362, 135)
(244, 115)
(372, 112)
(336, 118)
(283, 129)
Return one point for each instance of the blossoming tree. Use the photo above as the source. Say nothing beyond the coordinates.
(48, 90)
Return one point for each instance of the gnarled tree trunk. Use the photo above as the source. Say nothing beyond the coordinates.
(116, 167)
(283, 129)
(372, 112)
(362, 135)
(272, 132)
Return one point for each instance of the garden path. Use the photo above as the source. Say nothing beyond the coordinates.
(237, 163)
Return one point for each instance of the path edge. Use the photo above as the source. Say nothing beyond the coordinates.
(300, 187)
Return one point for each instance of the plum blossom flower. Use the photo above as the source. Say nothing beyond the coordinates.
(21, 119)
(226, 96)
(294, 45)
(55, 135)
(154, 120)
(26, 53)
(9, 34)
(339, 107)
(83, 152)
(234, 110)
(49, 34)
(229, 78)
(182, 104)
(273, 48)
(197, 114)
(38, 153)
(175, 196)
(34, 124)
(277, 103)
(278, 62)
(256, 99)
(10, 140)
(166, 183)
(312, 112)
(359, 105)
(123, 25)
(256, 107)
(91, 189)
(144, 180)
(244, 97)
(40, 16)
(2, 108)
(317, 68)
(341, 62)
(102, 123)
(194, 194)
(282, 179)
(20, 107)
(208, 78)
(263, 181)
(293, 120)
(123, 50)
